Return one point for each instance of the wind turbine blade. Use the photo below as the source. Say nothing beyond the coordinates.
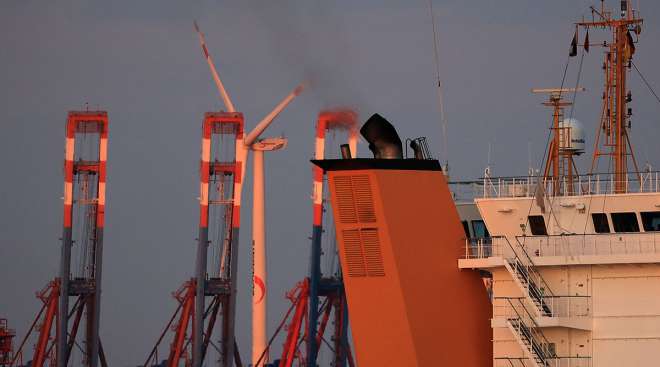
(221, 88)
(263, 124)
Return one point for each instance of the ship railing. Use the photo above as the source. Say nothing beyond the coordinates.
(510, 362)
(587, 184)
(480, 248)
(520, 264)
(590, 244)
(562, 306)
(576, 361)
(499, 246)
(465, 191)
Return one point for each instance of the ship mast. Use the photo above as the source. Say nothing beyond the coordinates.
(615, 115)
(560, 163)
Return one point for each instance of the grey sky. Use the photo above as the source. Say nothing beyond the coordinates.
(141, 62)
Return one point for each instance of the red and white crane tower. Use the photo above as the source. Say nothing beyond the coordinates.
(319, 299)
(6, 343)
(225, 150)
(82, 249)
(328, 286)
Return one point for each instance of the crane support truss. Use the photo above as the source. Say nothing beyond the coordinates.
(299, 324)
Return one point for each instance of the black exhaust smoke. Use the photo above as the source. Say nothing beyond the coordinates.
(383, 140)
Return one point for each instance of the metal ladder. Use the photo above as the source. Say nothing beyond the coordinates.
(529, 279)
(529, 335)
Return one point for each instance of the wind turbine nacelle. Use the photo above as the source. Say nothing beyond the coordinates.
(268, 144)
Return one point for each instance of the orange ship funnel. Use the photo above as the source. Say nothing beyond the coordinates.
(399, 237)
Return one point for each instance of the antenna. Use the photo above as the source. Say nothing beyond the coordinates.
(566, 141)
(530, 169)
(556, 91)
(490, 146)
(436, 58)
(615, 116)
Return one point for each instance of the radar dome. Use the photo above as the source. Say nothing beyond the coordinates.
(571, 136)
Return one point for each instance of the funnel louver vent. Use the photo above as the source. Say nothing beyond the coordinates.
(363, 199)
(362, 251)
(371, 250)
(345, 200)
(354, 199)
(353, 253)
(355, 207)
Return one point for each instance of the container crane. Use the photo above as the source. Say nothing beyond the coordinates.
(81, 252)
(330, 287)
(6, 343)
(221, 177)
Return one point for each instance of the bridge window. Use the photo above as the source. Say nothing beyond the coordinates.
(625, 222)
(600, 223)
(479, 229)
(466, 228)
(651, 221)
(537, 225)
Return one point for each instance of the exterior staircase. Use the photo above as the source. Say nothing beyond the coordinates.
(522, 322)
(529, 280)
(528, 334)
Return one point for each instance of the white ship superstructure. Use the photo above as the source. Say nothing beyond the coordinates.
(575, 259)
(576, 284)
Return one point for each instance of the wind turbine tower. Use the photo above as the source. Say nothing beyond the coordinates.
(222, 174)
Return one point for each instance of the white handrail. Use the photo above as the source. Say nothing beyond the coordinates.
(562, 306)
(567, 245)
(593, 244)
(595, 184)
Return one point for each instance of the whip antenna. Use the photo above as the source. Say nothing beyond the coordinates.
(443, 119)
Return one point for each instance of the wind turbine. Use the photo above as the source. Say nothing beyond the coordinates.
(258, 146)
